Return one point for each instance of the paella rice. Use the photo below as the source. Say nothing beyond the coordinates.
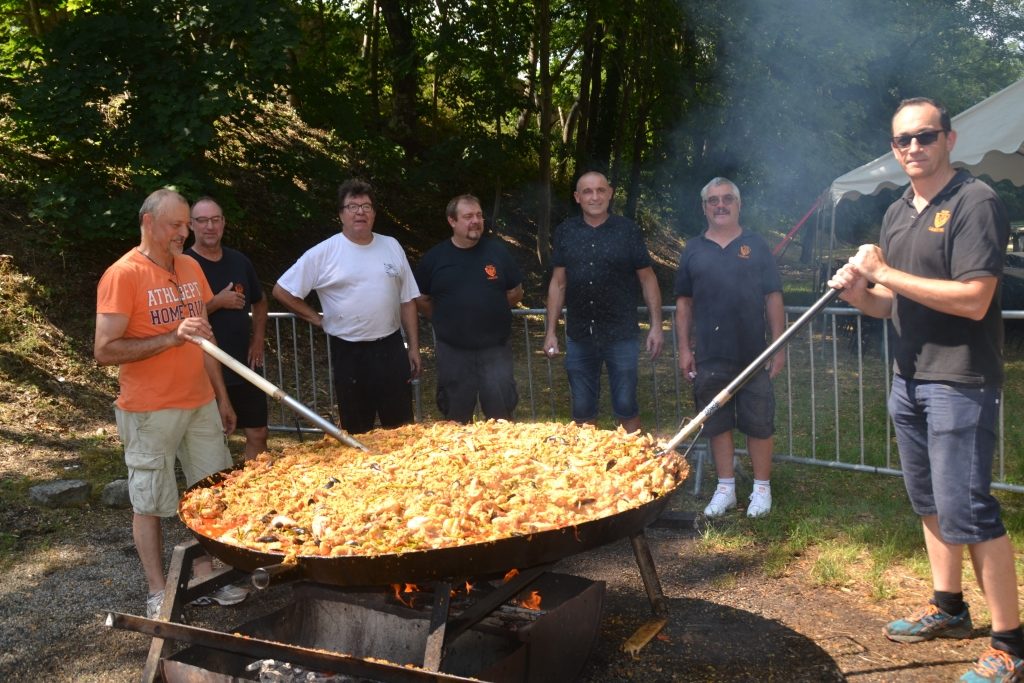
(429, 486)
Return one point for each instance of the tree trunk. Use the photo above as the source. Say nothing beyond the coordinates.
(35, 19)
(608, 115)
(404, 76)
(633, 187)
(587, 158)
(531, 91)
(496, 206)
(544, 210)
(591, 49)
(373, 64)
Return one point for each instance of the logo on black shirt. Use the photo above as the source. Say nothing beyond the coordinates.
(941, 218)
(744, 251)
(491, 271)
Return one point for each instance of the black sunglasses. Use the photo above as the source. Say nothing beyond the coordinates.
(924, 138)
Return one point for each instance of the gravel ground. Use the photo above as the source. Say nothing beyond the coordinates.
(727, 622)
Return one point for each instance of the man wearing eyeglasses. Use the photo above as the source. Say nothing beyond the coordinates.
(238, 291)
(729, 290)
(601, 266)
(367, 292)
(172, 402)
(936, 273)
(468, 284)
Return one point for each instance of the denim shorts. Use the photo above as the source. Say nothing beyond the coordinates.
(583, 361)
(751, 409)
(947, 436)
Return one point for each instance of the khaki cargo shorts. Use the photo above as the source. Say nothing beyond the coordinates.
(152, 441)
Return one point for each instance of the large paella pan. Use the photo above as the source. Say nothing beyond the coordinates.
(434, 501)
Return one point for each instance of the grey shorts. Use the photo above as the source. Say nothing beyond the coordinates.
(152, 441)
(751, 409)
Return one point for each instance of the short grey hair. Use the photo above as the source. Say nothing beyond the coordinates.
(715, 182)
(155, 201)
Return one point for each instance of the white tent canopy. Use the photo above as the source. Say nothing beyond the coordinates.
(990, 141)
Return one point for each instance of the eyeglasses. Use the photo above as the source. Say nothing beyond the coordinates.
(359, 208)
(203, 220)
(725, 200)
(924, 138)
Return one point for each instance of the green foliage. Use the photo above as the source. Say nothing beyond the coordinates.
(117, 98)
(129, 96)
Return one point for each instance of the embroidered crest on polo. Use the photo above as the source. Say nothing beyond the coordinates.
(941, 218)
(491, 271)
(744, 251)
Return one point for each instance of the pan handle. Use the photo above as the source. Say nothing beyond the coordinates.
(262, 577)
(694, 425)
(270, 389)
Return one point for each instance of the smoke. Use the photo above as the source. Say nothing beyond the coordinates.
(803, 91)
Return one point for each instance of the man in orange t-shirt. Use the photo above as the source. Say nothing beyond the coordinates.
(172, 403)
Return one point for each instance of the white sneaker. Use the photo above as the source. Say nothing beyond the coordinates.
(225, 595)
(760, 502)
(724, 499)
(154, 601)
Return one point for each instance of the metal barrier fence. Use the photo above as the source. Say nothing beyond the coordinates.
(830, 398)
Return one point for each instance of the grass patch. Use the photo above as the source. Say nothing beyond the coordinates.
(834, 563)
(724, 582)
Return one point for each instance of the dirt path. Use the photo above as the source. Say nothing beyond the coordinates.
(727, 622)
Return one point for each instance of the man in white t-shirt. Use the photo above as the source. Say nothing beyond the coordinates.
(367, 292)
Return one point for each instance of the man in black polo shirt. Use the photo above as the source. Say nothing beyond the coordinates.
(936, 274)
(467, 285)
(728, 286)
(601, 265)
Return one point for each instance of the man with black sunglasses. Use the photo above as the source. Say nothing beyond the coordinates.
(936, 273)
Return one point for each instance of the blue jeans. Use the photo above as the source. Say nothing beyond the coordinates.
(947, 435)
(583, 361)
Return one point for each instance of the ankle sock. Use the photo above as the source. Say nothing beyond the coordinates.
(1009, 641)
(767, 484)
(950, 603)
(729, 483)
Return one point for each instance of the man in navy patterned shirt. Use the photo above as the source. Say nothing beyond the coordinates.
(601, 266)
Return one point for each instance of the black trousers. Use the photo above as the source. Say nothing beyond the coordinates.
(371, 379)
(464, 375)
